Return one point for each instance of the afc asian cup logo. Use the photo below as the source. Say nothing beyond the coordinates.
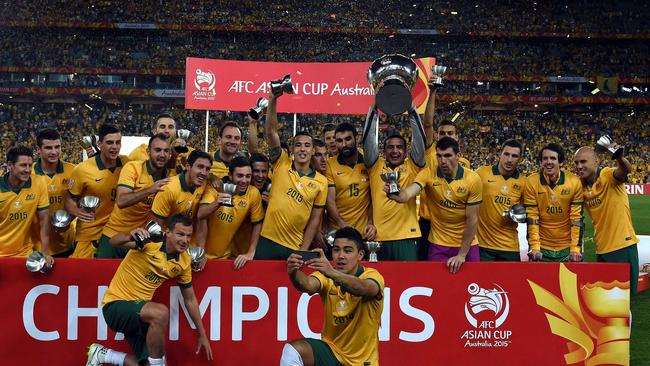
(204, 82)
(494, 300)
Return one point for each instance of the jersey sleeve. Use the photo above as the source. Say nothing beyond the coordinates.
(324, 288)
(43, 196)
(162, 203)
(577, 226)
(321, 197)
(475, 196)
(372, 275)
(77, 181)
(329, 175)
(532, 212)
(185, 278)
(424, 178)
(209, 196)
(282, 161)
(128, 176)
(257, 211)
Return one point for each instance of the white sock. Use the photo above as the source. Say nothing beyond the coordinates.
(157, 361)
(115, 357)
(290, 356)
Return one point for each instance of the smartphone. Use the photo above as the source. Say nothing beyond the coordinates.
(307, 255)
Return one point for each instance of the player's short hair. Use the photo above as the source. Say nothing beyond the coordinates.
(158, 136)
(154, 124)
(447, 142)
(301, 133)
(47, 134)
(198, 154)
(329, 127)
(229, 124)
(344, 127)
(319, 143)
(178, 219)
(351, 234)
(447, 122)
(107, 129)
(16, 151)
(392, 134)
(513, 143)
(259, 158)
(238, 162)
(553, 147)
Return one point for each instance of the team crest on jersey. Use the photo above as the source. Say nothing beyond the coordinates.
(311, 185)
(461, 190)
(175, 270)
(516, 187)
(242, 203)
(565, 191)
(17, 205)
(30, 197)
(504, 189)
(65, 181)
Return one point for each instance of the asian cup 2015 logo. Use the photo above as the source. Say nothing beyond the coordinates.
(486, 311)
(204, 82)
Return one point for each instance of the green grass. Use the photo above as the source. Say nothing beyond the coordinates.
(640, 304)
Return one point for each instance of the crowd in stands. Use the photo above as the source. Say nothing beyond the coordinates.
(481, 132)
(168, 50)
(599, 16)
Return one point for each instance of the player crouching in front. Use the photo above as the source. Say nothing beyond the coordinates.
(127, 304)
(352, 296)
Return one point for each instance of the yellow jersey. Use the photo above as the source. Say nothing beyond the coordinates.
(178, 197)
(431, 163)
(136, 175)
(352, 186)
(18, 209)
(141, 272)
(219, 167)
(448, 200)
(292, 197)
(92, 178)
(393, 220)
(499, 194)
(352, 322)
(554, 212)
(224, 223)
(57, 188)
(609, 207)
(141, 153)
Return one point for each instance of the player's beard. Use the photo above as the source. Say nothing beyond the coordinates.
(348, 151)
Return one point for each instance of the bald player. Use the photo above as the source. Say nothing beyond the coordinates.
(553, 200)
(608, 205)
(503, 187)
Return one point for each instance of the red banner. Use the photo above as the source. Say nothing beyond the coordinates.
(638, 189)
(488, 313)
(337, 88)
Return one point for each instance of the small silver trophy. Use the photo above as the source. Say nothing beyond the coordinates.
(604, 145)
(60, 220)
(438, 72)
(230, 189)
(155, 235)
(89, 203)
(198, 255)
(392, 179)
(182, 136)
(329, 237)
(281, 86)
(260, 106)
(89, 143)
(36, 262)
(392, 77)
(516, 213)
(373, 247)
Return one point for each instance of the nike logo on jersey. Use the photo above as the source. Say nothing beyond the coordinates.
(540, 192)
(97, 180)
(339, 173)
(491, 181)
(179, 202)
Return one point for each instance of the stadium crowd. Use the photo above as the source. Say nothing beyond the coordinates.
(456, 17)
(161, 50)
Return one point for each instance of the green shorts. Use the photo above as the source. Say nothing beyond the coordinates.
(629, 255)
(269, 250)
(124, 316)
(106, 250)
(495, 255)
(399, 250)
(323, 355)
(555, 255)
